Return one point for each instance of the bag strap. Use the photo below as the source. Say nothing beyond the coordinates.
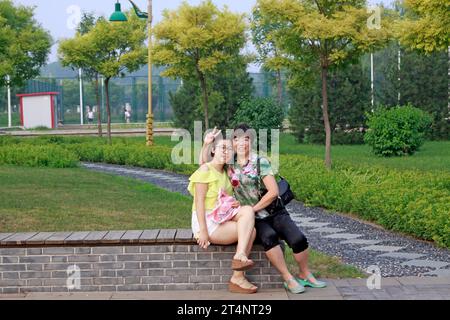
(258, 170)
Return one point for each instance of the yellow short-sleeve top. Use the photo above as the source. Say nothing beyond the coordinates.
(215, 180)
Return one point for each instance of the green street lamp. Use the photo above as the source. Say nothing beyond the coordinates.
(118, 15)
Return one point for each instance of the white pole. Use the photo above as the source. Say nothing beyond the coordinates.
(372, 79)
(448, 80)
(8, 79)
(103, 94)
(81, 97)
(399, 69)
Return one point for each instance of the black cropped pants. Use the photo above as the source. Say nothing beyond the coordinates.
(280, 226)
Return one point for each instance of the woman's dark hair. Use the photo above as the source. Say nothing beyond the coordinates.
(243, 128)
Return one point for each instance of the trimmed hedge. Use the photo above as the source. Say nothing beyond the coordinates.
(413, 202)
(157, 157)
(38, 156)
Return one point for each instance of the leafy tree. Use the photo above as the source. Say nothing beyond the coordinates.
(193, 41)
(319, 35)
(110, 49)
(423, 83)
(233, 85)
(349, 97)
(229, 87)
(268, 52)
(186, 104)
(117, 96)
(88, 21)
(426, 26)
(260, 114)
(24, 44)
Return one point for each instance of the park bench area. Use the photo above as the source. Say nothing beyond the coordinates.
(115, 261)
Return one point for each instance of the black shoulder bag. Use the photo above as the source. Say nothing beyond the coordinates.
(285, 193)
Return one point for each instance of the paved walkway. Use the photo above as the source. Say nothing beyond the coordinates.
(355, 242)
(406, 288)
(88, 132)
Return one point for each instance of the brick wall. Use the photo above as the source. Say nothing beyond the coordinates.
(126, 268)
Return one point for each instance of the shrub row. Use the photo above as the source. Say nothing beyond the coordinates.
(157, 157)
(413, 202)
(38, 156)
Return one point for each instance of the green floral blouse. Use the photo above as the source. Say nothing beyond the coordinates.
(245, 181)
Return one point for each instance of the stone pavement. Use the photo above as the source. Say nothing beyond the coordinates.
(354, 241)
(88, 132)
(405, 288)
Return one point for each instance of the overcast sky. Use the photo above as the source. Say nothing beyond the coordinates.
(59, 16)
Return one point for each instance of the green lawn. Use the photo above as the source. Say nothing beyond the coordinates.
(433, 156)
(43, 199)
(38, 199)
(325, 266)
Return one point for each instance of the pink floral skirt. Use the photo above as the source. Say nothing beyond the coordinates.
(224, 211)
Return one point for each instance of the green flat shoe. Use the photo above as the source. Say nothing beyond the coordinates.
(299, 288)
(308, 283)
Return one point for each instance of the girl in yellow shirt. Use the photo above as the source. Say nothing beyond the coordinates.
(205, 186)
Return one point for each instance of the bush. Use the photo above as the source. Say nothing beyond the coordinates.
(260, 113)
(348, 101)
(397, 131)
(413, 202)
(38, 156)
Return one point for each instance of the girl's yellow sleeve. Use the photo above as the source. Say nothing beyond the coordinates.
(200, 177)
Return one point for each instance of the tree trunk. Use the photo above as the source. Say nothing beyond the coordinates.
(205, 99)
(280, 88)
(448, 79)
(99, 113)
(108, 110)
(326, 118)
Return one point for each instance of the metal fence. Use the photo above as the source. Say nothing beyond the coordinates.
(125, 93)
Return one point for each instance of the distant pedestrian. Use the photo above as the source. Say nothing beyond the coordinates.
(128, 116)
(91, 117)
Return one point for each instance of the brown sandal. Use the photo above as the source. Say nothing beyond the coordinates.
(235, 288)
(239, 265)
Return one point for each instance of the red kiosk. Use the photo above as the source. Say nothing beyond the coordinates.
(38, 110)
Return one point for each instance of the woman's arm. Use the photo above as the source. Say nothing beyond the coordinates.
(200, 195)
(209, 139)
(204, 154)
(272, 193)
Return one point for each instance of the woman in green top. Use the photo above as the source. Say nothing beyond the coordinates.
(206, 185)
(243, 173)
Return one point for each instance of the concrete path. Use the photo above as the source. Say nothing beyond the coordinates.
(87, 132)
(406, 288)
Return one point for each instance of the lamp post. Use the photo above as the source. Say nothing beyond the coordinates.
(8, 80)
(80, 74)
(119, 16)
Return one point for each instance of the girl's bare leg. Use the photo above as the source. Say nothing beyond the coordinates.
(245, 226)
(227, 234)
